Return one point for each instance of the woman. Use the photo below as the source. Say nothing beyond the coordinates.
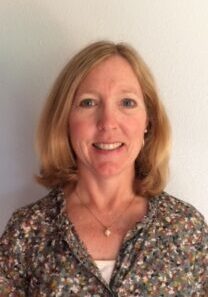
(106, 228)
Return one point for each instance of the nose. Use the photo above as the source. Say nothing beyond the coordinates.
(106, 119)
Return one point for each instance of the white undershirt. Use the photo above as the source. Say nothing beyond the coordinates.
(106, 268)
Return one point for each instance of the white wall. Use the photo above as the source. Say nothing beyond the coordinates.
(38, 37)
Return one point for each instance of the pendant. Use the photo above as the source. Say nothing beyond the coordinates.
(107, 232)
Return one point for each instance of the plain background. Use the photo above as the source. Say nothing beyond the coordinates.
(38, 37)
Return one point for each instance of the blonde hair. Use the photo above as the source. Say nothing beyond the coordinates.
(57, 160)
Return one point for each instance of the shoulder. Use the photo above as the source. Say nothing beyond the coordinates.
(181, 218)
(33, 217)
(183, 233)
(26, 235)
(174, 208)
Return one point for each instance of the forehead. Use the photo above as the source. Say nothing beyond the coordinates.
(114, 71)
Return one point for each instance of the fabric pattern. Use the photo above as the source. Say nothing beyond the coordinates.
(165, 255)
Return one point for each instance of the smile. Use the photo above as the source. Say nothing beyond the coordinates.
(108, 146)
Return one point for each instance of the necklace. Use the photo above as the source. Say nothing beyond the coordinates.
(107, 228)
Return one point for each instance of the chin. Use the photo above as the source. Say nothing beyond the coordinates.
(111, 170)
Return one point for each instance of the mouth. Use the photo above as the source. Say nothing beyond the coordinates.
(108, 146)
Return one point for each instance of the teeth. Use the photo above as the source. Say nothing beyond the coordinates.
(108, 146)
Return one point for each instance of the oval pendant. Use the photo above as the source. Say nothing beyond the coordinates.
(107, 232)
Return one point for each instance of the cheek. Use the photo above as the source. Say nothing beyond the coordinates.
(79, 129)
(75, 131)
(136, 127)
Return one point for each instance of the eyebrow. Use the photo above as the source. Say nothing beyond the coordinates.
(131, 90)
(88, 93)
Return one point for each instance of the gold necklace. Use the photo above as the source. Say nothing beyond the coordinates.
(107, 228)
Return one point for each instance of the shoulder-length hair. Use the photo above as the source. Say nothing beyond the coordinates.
(57, 160)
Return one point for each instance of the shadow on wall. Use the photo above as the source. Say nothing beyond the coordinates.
(33, 47)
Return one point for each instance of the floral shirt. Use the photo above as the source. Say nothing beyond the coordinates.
(164, 255)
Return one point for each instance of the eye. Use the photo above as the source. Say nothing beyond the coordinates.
(129, 103)
(87, 103)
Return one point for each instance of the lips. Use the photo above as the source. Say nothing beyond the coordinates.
(108, 146)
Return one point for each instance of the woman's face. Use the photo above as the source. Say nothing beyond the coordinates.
(108, 119)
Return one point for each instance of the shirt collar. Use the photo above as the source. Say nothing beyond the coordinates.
(68, 234)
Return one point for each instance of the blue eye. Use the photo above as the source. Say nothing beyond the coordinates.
(129, 103)
(87, 103)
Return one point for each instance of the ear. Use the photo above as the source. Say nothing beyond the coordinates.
(147, 125)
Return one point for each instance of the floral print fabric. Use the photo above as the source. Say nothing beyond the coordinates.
(165, 255)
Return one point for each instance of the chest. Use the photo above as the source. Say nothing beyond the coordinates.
(91, 230)
(153, 270)
(98, 244)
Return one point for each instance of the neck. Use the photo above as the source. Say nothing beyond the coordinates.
(105, 193)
